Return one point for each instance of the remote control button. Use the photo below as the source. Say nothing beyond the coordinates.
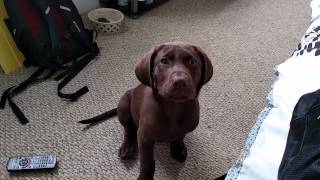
(24, 162)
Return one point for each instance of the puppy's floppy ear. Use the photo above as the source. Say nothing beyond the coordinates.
(144, 68)
(207, 69)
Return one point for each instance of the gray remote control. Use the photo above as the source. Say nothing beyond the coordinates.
(31, 162)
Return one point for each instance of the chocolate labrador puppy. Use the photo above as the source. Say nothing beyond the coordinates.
(165, 106)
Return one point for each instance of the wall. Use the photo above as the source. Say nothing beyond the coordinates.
(86, 5)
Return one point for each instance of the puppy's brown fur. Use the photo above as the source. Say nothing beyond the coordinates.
(165, 106)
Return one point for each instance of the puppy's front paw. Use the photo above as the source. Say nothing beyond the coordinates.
(178, 151)
(127, 151)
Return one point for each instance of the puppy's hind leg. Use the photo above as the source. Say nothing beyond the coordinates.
(128, 148)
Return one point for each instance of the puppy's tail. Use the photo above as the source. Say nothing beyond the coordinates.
(100, 117)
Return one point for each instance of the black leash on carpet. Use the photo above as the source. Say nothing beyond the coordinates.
(101, 117)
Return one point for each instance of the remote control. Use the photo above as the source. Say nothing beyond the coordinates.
(31, 162)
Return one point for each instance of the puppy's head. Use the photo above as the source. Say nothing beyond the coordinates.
(175, 70)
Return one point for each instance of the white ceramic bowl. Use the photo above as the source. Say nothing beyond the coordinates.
(106, 20)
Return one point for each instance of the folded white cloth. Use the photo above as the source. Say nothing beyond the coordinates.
(315, 6)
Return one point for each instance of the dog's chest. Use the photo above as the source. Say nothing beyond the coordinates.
(173, 125)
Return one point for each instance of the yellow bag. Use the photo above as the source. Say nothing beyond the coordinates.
(10, 57)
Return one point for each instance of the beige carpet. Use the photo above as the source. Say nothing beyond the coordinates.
(245, 39)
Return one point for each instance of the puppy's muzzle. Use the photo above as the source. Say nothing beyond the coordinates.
(180, 81)
(180, 86)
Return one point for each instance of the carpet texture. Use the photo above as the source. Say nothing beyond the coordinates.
(245, 39)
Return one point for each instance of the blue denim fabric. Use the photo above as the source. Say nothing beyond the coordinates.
(301, 159)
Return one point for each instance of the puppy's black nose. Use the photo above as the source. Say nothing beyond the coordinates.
(180, 82)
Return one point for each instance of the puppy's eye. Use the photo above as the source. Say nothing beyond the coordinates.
(164, 61)
(192, 62)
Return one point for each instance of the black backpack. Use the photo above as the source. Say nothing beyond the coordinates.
(52, 36)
